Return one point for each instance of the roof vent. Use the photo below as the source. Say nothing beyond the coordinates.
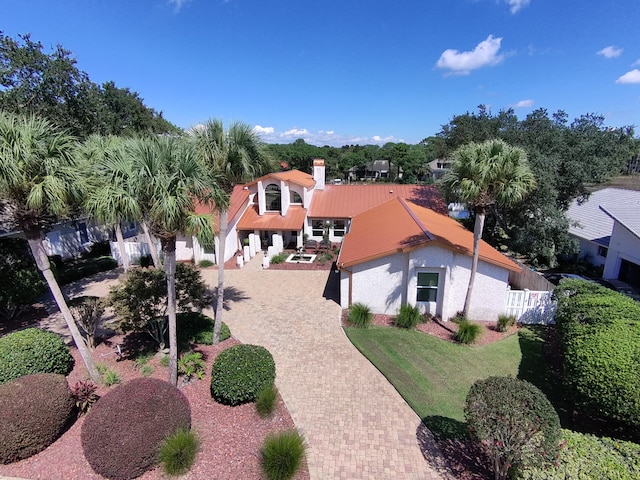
(246, 188)
(391, 191)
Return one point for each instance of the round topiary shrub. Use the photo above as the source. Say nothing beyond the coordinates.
(36, 410)
(240, 373)
(33, 351)
(122, 433)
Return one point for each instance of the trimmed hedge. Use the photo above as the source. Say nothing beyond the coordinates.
(122, 433)
(240, 373)
(36, 410)
(588, 456)
(33, 350)
(600, 334)
(513, 422)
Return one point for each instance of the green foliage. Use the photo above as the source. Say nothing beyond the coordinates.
(278, 258)
(600, 334)
(408, 317)
(205, 263)
(282, 454)
(87, 312)
(468, 332)
(36, 410)
(458, 318)
(359, 315)
(191, 364)
(197, 328)
(84, 394)
(26, 285)
(74, 270)
(240, 373)
(505, 322)
(513, 422)
(110, 378)
(164, 361)
(266, 401)
(146, 370)
(178, 452)
(140, 301)
(586, 457)
(117, 447)
(33, 351)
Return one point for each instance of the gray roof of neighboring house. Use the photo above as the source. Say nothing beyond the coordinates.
(627, 215)
(590, 222)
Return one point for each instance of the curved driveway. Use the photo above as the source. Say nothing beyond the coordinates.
(356, 425)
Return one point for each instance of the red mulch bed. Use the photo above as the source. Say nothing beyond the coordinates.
(231, 436)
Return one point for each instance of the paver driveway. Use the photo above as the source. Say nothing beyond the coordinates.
(356, 424)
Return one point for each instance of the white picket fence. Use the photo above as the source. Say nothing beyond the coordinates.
(531, 306)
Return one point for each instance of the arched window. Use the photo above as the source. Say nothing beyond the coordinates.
(294, 197)
(272, 195)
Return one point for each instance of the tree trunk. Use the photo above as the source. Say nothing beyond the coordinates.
(169, 249)
(222, 239)
(477, 236)
(42, 261)
(121, 247)
(152, 244)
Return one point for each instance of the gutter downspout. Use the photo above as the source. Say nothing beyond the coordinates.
(350, 273)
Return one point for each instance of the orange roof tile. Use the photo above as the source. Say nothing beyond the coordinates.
(294, 176)
(294, 219)
(399, 225)
(347, 201)
(238, 200)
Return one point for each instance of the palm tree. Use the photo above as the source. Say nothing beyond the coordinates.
(40, 183)
(233, 157)
(111, 199)
(168, 180)
(486, 174)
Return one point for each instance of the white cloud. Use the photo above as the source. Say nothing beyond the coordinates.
(296, 132)
(178, 4)
(610, 52)
(636, 63)
(260, 130)
(517, 5)
(632, 76)
(461, 63)
(524, 104)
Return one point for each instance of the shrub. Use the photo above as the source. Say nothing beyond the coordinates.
(206, 264)
(467, 333)
(122, 433)
(36, 410)
(279, 258)
(458, 318)
(141, 299)
(110, 378)
(408, 317)
(146, 370)
(266, 401)
(84, 394)
(194, 327)
(600, 335)
(359, 315)
(164, 361)
(282, 454)
(240, 373)
(513, 422)
(78, 269)
(588, 456)
(33, 351)
(190, 365)
(87, 312)
(505, 322)
(178, 451)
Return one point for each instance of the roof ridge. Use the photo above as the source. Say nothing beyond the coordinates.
(424, 229)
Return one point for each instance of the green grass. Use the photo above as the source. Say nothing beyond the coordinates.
(433, 375)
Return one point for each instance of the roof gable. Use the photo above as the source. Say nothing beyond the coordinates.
(293, 176)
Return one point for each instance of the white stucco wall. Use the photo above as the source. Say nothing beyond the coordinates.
(589, 252)
(622, 246)
(386, 283)
(64, 239)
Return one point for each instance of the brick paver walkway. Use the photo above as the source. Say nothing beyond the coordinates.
(356, 424)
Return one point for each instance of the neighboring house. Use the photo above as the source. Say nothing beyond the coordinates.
(592, 227)
(439, 167)
(400, 253)
(623, 258)
(378, 169)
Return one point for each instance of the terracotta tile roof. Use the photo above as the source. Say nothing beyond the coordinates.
(238, 200)
(347, 201)
(294, 219)
(399, 225)
(294, 176)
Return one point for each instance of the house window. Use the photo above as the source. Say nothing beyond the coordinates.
(294, 197)
(317, 228)
(272, 196)
(602, 251)
(339, 227)
(427, 287)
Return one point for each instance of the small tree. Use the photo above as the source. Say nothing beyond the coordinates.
(27, 284)
(141, 299)
(87, 312)
(514, 423)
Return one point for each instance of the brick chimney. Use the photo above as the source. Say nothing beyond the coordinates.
(318, 173)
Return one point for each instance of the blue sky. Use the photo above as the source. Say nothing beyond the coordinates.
(341, 72)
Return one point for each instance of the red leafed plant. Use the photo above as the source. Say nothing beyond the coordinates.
(84, 393)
